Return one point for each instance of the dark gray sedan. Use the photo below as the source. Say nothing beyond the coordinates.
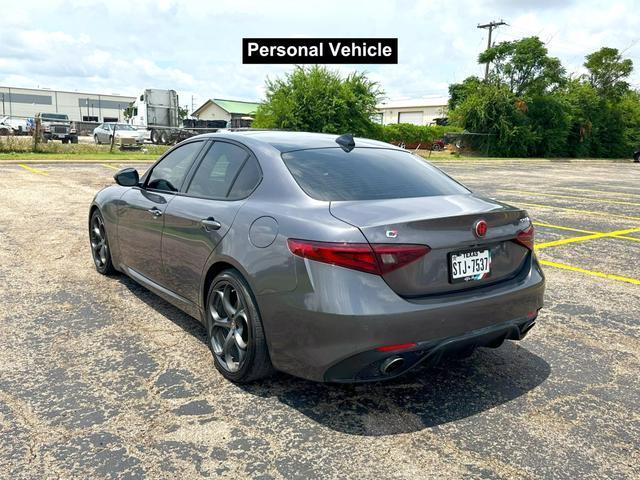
(331, 258)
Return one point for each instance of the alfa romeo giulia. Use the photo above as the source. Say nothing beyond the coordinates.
(330, 258)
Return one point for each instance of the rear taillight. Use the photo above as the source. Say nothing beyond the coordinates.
(391, 257)
(377, 258)
(526, 237)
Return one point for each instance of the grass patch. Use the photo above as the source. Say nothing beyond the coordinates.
(21, 148)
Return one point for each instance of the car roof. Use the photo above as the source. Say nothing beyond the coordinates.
(290, 141)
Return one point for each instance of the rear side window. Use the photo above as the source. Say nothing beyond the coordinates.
(218, 170)
(332, 174)
(247, 179)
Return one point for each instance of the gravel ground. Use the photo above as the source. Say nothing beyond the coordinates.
(101, 379)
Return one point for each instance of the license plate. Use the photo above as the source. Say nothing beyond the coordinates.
(470, 265)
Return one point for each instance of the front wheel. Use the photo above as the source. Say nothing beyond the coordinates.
(100, 250)
(234, 330)
(95, 139)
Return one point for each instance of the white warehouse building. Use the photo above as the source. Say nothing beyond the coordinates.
(422, 111)
(81, 107)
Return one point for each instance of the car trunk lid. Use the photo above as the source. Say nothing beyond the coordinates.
(446, 224)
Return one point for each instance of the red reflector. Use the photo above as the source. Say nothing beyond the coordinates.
(377, 258)
(393, 348)
(526, 237)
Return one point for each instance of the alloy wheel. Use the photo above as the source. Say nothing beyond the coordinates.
(99, 246)
(229, 328)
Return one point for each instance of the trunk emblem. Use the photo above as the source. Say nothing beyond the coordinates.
(392, 233)
(480, 228)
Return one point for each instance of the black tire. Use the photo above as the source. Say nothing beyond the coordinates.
(65, 140)
(74, 139)
(98, 241)
(636, 157)
(95, 139)
(229, 330)
(154, 137)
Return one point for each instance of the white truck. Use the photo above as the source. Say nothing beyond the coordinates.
(157, 111)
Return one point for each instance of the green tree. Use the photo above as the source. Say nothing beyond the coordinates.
(524, 66)
(458, 92)
(494, 112)
(608, 71)
(316, 99)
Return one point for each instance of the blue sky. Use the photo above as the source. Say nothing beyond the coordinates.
(195, 47)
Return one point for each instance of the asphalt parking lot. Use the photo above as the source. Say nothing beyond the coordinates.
(101, 379)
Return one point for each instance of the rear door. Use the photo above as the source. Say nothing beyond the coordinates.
(141, 215)
(197, 219)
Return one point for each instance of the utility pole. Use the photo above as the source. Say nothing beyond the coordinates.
(490, 26)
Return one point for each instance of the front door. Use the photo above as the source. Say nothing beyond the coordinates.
(141, 216)
(140, 230)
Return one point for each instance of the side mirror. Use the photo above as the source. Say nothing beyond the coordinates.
(127, 177)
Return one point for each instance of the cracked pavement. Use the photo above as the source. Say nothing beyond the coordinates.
(100, 378)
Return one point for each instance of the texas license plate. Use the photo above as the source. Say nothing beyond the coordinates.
(470, 265)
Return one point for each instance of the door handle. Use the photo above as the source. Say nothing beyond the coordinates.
(155, 211)
(210, 224)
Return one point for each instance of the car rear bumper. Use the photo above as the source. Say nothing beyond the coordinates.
(329, 327)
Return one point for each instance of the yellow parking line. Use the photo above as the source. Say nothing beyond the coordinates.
(571, 268)
(555, 195)
(560, 227)
(615, 194)
(32, 170)
(574, 210)
(583, 238)
(110, 166)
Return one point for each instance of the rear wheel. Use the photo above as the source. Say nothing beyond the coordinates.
(100, 250)
(234, 330)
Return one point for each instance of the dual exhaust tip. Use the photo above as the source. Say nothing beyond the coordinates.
(392, 365)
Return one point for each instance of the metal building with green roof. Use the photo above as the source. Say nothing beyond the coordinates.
(236, 112)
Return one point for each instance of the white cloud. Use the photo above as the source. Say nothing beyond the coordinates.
(195, 47)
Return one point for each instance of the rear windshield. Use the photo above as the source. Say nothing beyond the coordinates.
(332, 174)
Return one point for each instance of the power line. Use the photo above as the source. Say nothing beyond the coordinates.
(490, 26)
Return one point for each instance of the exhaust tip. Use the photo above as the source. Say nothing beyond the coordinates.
(391, 365)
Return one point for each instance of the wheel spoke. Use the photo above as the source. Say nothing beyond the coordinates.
(227, 351)
(103, 253)
(241, 322)
(229, 309)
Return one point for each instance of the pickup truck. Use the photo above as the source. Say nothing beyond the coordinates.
(56, 126)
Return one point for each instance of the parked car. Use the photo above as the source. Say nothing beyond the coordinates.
(124, 133)
(6, 129)
(333, 259)
(15, 126)
(57, 126)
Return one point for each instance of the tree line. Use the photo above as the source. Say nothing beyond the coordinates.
(529, 106)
